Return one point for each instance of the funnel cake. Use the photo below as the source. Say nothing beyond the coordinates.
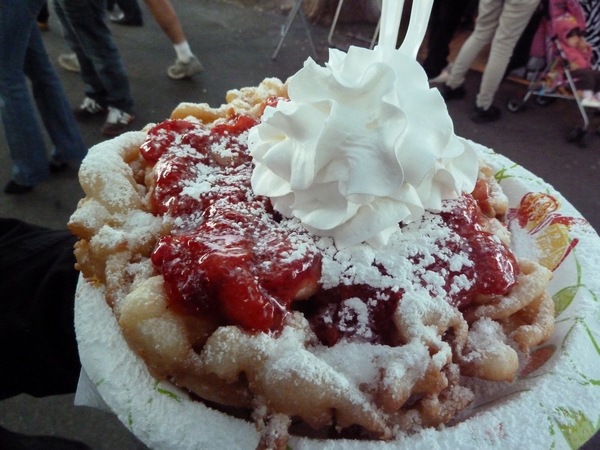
(254, 314)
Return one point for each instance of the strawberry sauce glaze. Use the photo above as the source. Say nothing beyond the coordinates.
(232, 257)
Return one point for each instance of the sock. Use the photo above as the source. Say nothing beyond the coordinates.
(184, 52)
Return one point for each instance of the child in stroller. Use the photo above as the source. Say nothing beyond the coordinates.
(578, 53)
(560, 63)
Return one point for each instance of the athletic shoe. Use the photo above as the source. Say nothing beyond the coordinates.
(69, 61)
(590, 102)
(117, 122)
(449, 94)
(89, 108)
(481, 115)
(57, 167)
(181, 70)
(14, 188)
(121, 19)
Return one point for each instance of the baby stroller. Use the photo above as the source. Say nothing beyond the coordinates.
(547, 72)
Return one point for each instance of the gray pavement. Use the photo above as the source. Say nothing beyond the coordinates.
(235, 41)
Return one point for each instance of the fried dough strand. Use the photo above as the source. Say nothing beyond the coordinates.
(291, 375)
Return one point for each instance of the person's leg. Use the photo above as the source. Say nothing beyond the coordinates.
(433, 63)
(42, 18)
(166, 17)
(584, 79)
(485, 26)
(522, 51)
(93, 87)
(515, 16)
(23, 132)
(39, 356)
(446, 16)
(587, 86)
(596, 76)
(186, 64)
(52, 105)
(91, 38)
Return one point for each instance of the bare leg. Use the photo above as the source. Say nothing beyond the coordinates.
(165, 15)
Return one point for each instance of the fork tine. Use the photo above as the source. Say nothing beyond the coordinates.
(391, 13)
(417, 27)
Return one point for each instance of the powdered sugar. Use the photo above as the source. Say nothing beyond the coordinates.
(524, 242)
(354, 363)
(483, 339)
(404, 264)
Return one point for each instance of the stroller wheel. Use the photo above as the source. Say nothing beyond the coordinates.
(515, 106)
(577, 136)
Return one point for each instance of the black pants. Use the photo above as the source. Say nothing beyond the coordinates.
(44, 14)
(38, 351)
(446, 16)
(130, 8)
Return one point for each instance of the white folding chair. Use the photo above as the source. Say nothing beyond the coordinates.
(335, 21)
(285, 28)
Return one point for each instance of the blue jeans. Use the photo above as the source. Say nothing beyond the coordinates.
(22, 54)
(88, 35)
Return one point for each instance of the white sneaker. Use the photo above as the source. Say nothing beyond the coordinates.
(88, 108)
(117, 15)
(116, 122)
(590, 102)
(69, 61)
(181, 70)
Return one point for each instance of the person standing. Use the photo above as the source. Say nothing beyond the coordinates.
(502, 23)
(22, 56)
(107, 90)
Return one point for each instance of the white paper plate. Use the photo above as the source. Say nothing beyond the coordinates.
(554, 404)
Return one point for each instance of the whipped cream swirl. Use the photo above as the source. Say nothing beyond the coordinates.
(362, 144)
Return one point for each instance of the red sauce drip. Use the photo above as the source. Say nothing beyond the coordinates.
(481, 194)
(162, 136)
(218, 271)
(229, 258)
(332, 320)
(227, 261)
(494, 272)
(495, 268)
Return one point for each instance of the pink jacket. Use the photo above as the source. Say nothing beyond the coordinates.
(579, 56)
(546, 30)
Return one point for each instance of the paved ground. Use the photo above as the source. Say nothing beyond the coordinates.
(235, 41)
